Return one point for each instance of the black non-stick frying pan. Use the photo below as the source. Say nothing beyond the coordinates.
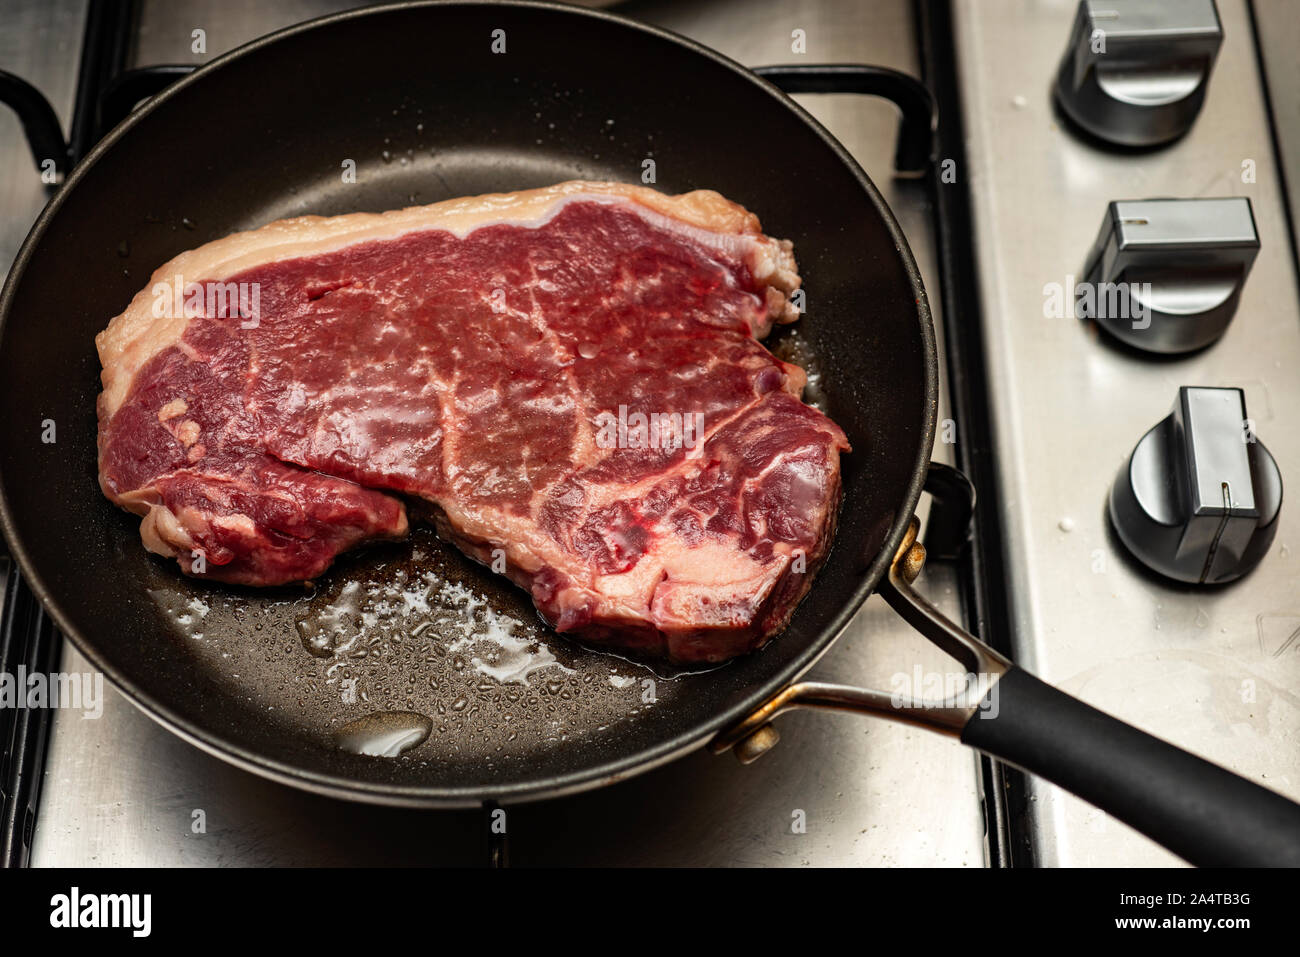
(419, 100)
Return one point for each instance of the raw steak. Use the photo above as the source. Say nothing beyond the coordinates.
(567, 381)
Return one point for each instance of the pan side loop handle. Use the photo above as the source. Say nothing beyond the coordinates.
(952, 505)
(916, 133)
(39, 121)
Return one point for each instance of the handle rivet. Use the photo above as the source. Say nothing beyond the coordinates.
(756, 744)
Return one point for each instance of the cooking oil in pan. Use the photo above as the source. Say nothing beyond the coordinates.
(409, 652)
(788, 344)
(384, 734)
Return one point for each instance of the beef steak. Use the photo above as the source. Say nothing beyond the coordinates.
(567, 381)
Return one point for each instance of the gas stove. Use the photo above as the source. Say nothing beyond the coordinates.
(1040, 410)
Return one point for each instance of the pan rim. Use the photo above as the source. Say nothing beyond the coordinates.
(625, 766)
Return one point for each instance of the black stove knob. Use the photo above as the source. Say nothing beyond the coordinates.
(1165, 275)
(1135, 71)
(1198, 499)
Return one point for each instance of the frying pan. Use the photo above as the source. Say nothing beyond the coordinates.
(415, 96)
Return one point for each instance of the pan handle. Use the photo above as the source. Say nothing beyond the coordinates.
(1200, 811)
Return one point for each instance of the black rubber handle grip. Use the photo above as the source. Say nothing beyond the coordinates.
(1200, 811)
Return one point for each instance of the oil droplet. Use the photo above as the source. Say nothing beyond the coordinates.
(589, 350)
(330, 629)
(1066, 524)
(384, 734)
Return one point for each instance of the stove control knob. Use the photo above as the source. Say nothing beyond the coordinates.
(1165, 275)
(1198, 499)
(1135, 71)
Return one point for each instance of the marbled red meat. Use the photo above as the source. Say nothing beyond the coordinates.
(486, 363)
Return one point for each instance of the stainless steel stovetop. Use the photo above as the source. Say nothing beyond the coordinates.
(1067, 408)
